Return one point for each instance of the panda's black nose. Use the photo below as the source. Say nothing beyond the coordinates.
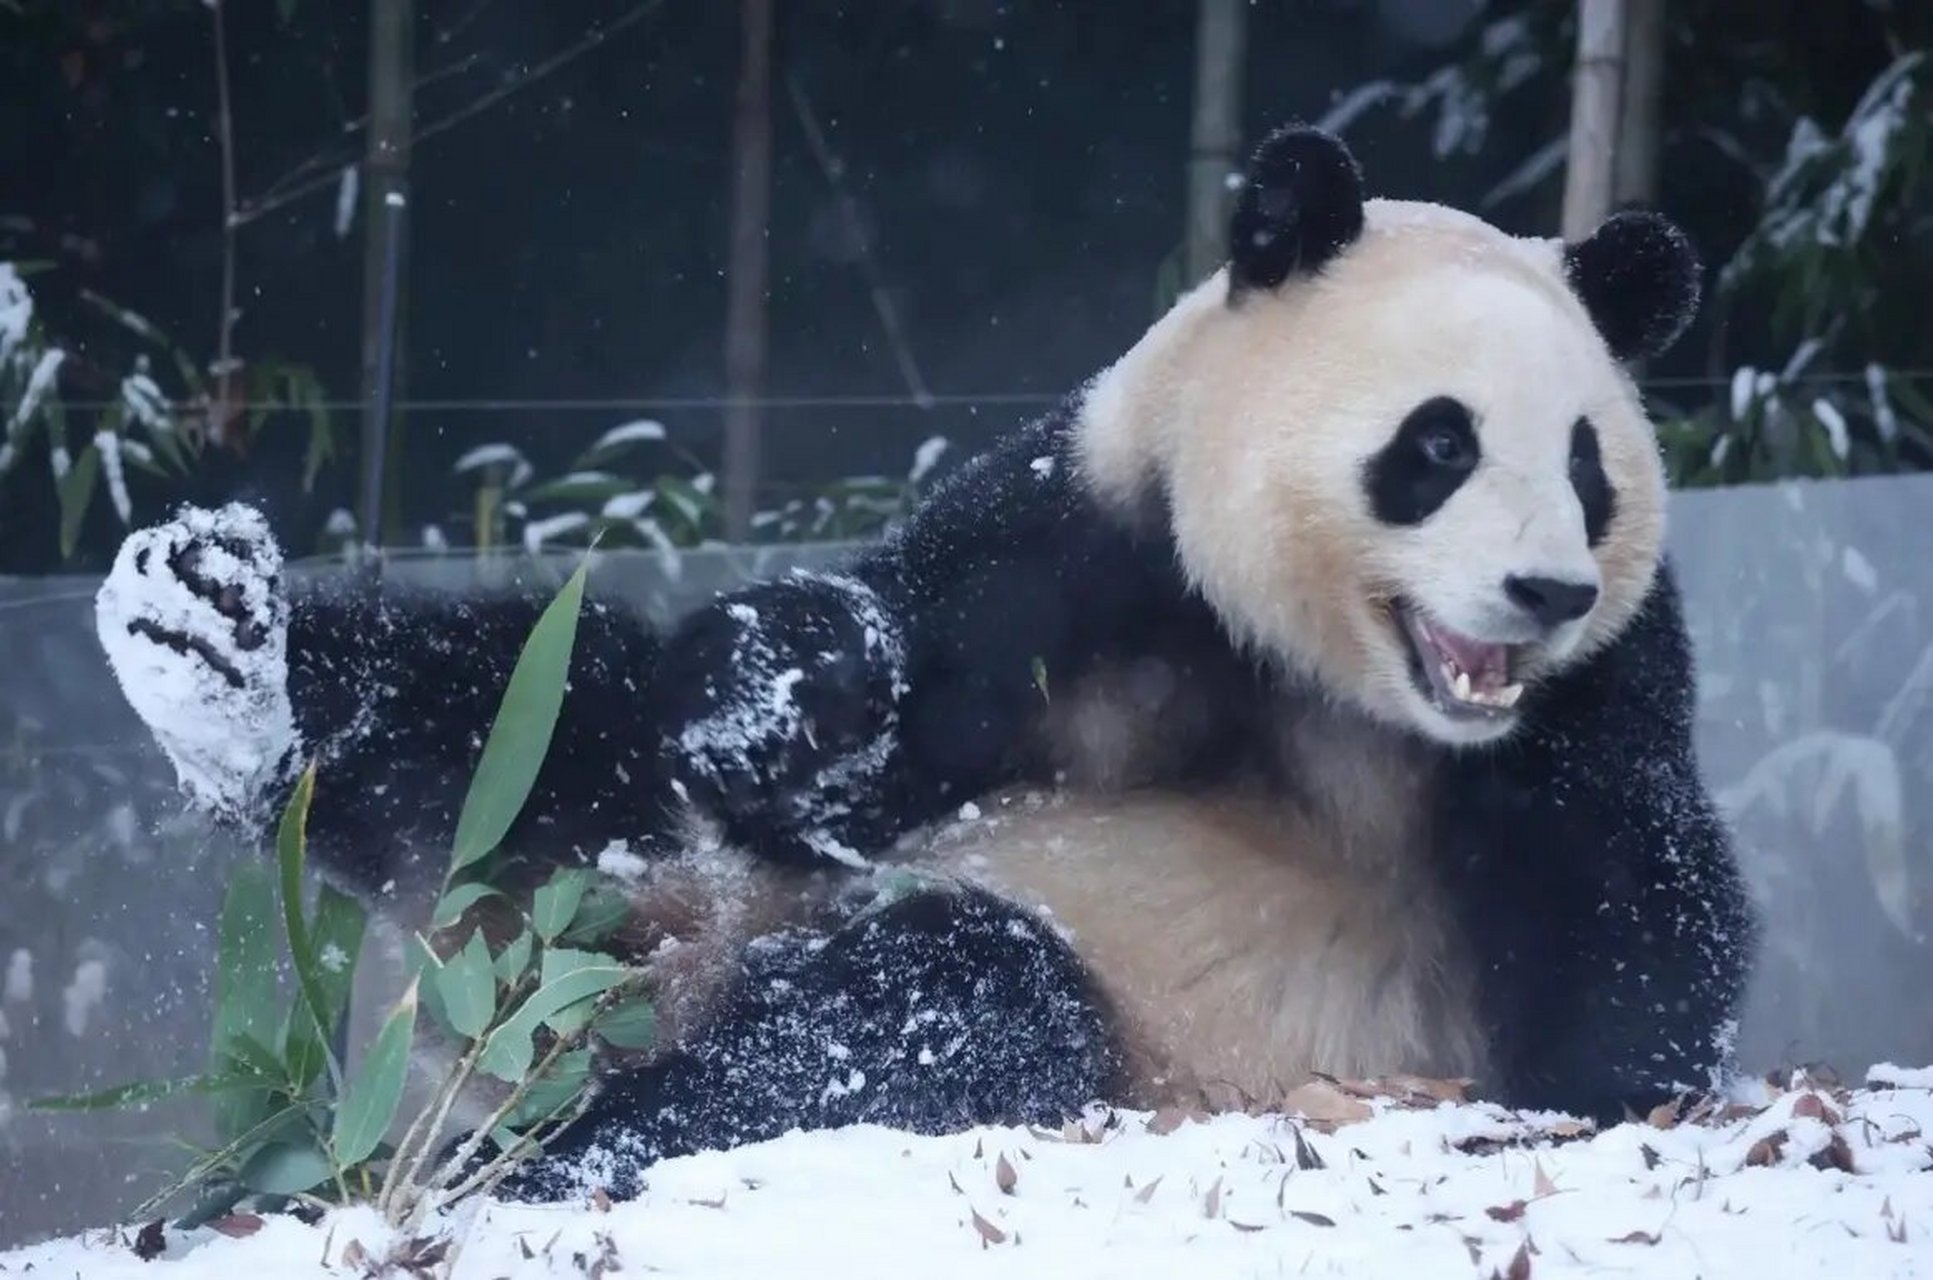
(1551, 601)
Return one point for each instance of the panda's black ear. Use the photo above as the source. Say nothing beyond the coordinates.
(1300, 204)
(1639, 277)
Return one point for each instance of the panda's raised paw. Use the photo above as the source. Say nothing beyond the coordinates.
(779, 708)
(194, 624)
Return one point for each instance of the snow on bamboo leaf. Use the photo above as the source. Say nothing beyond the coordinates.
(370, 1103)
(520, 737)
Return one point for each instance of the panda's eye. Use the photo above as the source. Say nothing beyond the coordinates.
(1447, 447)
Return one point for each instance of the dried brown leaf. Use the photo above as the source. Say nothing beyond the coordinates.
(989, 1234)
(1650, 1155)
(1637, 1237)
(238, 1225)
(1836, 1154)
(1004, 1175)
(1246, 1226)
(150, 1242)
(1896, 1231)
(523, 1247)
(1767, 1150)
(355, 1255)
(1519, 1268)
(1146, 1193)
(1814, 1107)
(1167, 1120)
(1664, 1115)
(954, 1182)
(601, 1200)
(1312, 1218)
(1324, 1102)
(1211, 1206)
(1541, 1185)
(1508, 1212)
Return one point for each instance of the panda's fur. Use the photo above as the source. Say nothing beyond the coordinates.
(1118, 771)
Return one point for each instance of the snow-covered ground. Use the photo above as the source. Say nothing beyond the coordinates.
(1810, 1181)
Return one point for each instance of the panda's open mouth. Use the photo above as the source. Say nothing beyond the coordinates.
(1464, 677)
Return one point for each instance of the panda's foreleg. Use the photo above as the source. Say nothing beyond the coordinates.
(395, 694)
(1600, 888)
(935, 1012)
(779, 705)
(389, 692)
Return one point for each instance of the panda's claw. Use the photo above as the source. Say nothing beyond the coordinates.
(194, 624)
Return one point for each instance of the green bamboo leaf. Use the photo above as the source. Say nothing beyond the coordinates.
(556, 1088)
(424, 967)
(507, 1053)
(285, 1168)
(631, 1025)
(604, 908)
(554, 905)
(369, 1103)
(468, 984)
(142, 1092)
(514, 958)
(559, 963)
(291, 849)
(76, 494)
(520, 736)
(247, 996)
(337, 935)
(453, 904)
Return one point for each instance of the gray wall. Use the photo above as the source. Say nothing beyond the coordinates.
(1816, 727)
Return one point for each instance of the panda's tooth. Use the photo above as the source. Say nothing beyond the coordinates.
(1462, 685)
(1508, 695)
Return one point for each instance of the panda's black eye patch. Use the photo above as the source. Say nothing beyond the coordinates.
(1593, 487)
(1432, 453)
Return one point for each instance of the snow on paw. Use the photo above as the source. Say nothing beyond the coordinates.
(781, 708)
(195, 626)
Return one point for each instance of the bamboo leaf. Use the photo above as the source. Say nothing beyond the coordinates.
(632, 1025)
(468, 984)
(337, 936)
(514, 958)
(285, 1169)
(291, 846)
(556, 1088)
(247, 998)
(369, 1103)
(520, 736)
(603, 909)
(507, 1053)
(142, 1092)
(458, 900)
(555, 904)
(76, 494)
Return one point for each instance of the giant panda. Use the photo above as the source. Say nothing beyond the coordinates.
(1308, 693)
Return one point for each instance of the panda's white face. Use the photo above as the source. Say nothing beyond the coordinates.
(1417, 477)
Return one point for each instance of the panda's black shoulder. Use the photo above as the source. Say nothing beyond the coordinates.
(1024, 510)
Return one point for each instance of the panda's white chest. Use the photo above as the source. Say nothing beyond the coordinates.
(1255, 935)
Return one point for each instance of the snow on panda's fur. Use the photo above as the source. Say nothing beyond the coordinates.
(1314, 671)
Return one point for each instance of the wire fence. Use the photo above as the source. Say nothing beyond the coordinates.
(900, 400)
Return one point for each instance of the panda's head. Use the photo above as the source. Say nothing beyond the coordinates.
(1397, 447)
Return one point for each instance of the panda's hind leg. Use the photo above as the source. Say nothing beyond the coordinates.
(933, 1012)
